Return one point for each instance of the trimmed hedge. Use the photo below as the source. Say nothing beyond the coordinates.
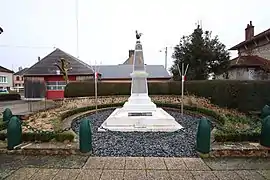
(236, 136)
(36, 136)
(43, 137)
(88, 108)
(9, 97)
(242, 95)
(3, 125)
(219, 135)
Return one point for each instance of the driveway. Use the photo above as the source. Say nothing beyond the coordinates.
(21, 107)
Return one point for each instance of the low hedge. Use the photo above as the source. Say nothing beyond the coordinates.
(39, 136)
(219, 135)
(88, 108)
(3, 125)
(231, 131)
(242, 95)
(216, 117)
(43, 137)
(9, 97)
(236, 136)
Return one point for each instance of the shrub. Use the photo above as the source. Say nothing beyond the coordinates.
(67, 135)
(87, 108)
(216, 117)
(3, 125)
(230, 129)
(221, 136)
(9, 97)
(242, 95)
(239, 129)
(43, 137)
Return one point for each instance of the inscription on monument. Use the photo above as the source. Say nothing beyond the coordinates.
(140, 114)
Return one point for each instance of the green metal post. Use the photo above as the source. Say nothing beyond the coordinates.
(265, 111)
(265, 132)
(7, 114)
(14, 132)
(85, 136)
(203, 136)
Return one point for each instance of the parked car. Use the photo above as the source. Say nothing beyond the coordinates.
(4, 91)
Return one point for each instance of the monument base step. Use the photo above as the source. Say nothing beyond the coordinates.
(159, 121)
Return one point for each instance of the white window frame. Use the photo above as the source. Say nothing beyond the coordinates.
(4, 77)
(56, 87)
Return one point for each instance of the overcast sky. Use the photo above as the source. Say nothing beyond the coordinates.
(107, 27)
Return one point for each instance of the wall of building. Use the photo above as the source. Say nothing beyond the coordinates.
(262, 49)
(246, 74)
(18, 81)
(6, 80)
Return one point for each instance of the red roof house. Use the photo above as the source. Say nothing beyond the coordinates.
(253, 61)
(44, 80)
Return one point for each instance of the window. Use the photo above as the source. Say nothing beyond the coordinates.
(3, 79)
(56, 85)
(17, 78)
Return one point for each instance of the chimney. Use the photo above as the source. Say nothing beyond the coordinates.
(20, 68)
(38, 58)
(249, 31)
(130, 53)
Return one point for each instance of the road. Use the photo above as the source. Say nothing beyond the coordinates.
(21, 107)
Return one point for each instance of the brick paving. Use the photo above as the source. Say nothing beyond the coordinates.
(131, 168)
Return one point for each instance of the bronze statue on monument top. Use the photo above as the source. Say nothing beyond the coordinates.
(138, 35)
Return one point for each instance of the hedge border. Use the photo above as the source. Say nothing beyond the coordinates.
(219, 135)
(217, 118)
(243, 95)
(10, 97)
(34, 136)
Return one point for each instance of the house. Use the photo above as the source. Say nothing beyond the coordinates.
(18, 81)
(44, 80)
(6, 78)
(253, 61)
(121, 72)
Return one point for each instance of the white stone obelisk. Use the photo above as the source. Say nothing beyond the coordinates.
(139, 113)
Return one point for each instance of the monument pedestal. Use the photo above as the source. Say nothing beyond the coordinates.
(143, 121)
(139, 113)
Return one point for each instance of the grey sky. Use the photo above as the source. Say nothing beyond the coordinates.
(107, 27)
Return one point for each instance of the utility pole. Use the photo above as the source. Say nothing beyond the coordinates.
(166, 56)
(166, 53)
(77, 27)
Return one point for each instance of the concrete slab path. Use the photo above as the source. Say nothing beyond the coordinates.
(132, 168)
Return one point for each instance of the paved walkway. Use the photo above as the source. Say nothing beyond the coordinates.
(137, 168)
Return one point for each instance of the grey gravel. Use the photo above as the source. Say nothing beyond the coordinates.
(155, 144)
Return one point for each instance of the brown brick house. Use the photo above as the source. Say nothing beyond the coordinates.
(253, 61)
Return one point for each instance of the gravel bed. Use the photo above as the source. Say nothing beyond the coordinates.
(156, 144)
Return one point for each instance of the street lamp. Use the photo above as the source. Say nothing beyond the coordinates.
(1, 30)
